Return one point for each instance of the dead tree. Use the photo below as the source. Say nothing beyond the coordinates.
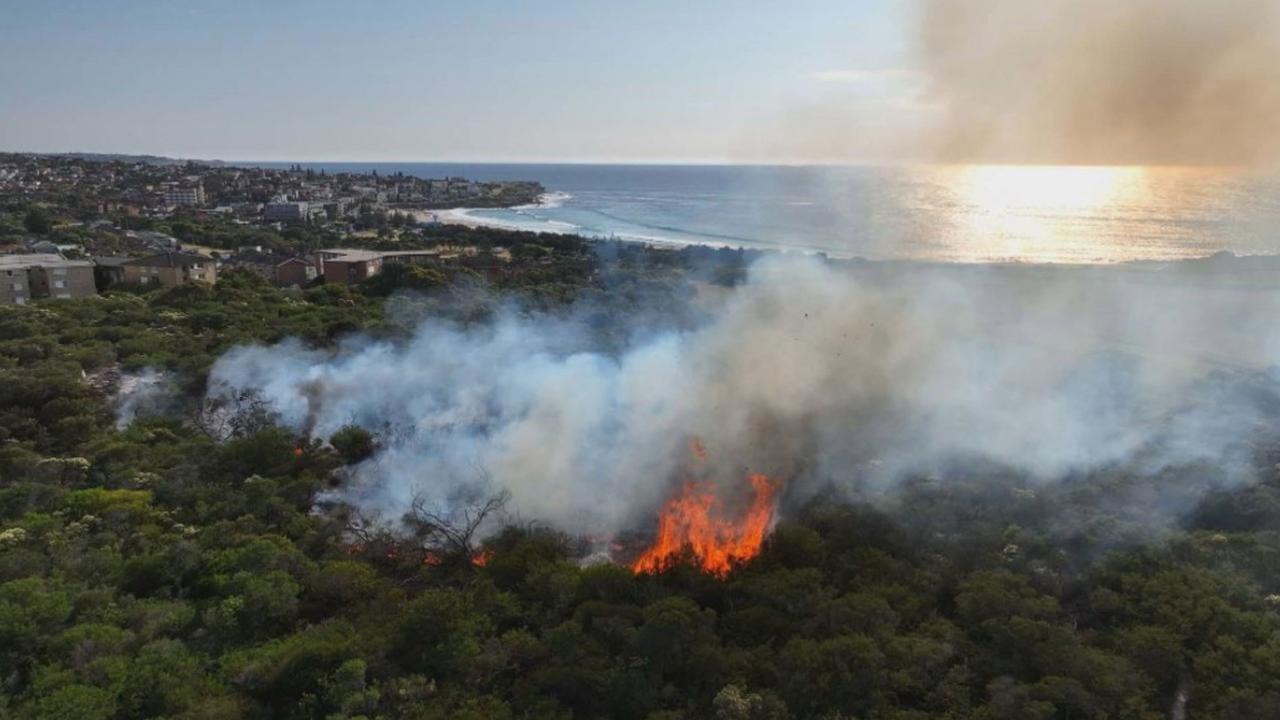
(227, 416)
(452, 531)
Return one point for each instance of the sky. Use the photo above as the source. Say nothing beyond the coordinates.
(464, 80)
(737, 81)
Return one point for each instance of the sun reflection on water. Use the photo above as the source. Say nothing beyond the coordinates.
(1047, 187)
(1048, 213)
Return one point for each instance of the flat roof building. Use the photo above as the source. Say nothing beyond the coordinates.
(184, 195)
(37, 276)
(350, 266)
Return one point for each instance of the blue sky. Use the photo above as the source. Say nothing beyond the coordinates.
(572, 80)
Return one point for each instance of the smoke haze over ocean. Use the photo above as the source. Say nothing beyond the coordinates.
(1095, 81)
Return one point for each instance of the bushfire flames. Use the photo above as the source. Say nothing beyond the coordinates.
(697, 520)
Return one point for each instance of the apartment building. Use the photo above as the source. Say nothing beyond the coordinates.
(32, 277)
(170, 269)
(185, 194)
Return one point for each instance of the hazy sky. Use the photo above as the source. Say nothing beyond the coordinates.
(1103, 81)
(711, 80)
(1076, 81)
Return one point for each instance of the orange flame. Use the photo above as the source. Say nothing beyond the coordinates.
(481, 558)
(696, 520)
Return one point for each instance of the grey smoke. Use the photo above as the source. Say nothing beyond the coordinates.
(812, 372)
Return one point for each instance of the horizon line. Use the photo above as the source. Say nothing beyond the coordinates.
(660, 162)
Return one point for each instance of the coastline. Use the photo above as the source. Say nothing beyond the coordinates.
(1219, 260)
(463, 215)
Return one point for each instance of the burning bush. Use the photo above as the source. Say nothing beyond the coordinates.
(698, 520)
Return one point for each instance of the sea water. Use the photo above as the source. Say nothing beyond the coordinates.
(1032, 214)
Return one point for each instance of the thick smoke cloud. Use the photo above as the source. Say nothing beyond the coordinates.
(1105, 82)
(817, 374)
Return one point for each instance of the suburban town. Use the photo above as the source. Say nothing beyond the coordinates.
(72, 226)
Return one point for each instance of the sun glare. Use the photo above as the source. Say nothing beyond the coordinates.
(1018, 211)
(1001, 187)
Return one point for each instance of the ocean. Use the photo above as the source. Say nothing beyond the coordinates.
(1026, 214)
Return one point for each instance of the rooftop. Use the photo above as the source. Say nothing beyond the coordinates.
(345, 255)
(354, 255)
(112, 260)
(170, 259)
(22, 262)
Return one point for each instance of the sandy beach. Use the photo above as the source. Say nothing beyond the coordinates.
(463, 216)
(452, 216)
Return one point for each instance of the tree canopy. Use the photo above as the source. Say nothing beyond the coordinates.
(161, 569)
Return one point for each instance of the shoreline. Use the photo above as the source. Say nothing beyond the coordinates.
(458, 216)
(552, 199)
(462, 217)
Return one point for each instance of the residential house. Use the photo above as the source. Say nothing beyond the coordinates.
(170, 269)
(155, 240)
(120, 207)
(109, 269)
(294, 271)
(278, 268)
(350, 266)
(43, 247)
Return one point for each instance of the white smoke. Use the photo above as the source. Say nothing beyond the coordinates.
(148, 392)
(809, 371)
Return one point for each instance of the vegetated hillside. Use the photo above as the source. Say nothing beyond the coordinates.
(162, 571)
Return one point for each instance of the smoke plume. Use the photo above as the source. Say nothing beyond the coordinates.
(1104, 82)
(148, 392)
(814, 373)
